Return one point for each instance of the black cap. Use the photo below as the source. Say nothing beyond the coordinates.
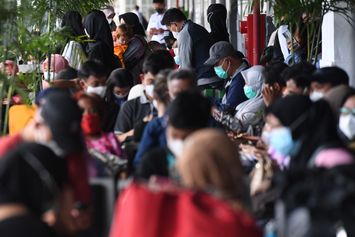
(63, 116)
(159, 1)
(221, 50)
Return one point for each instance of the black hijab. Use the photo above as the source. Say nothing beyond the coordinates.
(98, 28)
(73, 20)
(132, 20)
(31, 175)
(217, 17)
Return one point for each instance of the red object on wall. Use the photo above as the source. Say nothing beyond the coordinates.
(247, 28)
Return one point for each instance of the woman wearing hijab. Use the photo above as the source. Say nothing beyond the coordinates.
(101, 47)
(305, 132)
(347, 119)
(31, 178)
(74, 51)
(249, 114)
(217, 17)
(209, 162)
(137, 46)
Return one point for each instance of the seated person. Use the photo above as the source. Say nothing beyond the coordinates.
(298, 79)
(57, 64)
(181, 80)
(93, 75)
(326, 78)
(228, 65)
(249, 114)
(95, 138)
(118, 85)
(188, 113)
(274, 84)
(135, 110)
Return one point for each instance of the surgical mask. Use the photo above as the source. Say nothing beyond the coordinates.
(49, 77)
(316, 95)
(249, 92)
(347, 125)
(281, 140)
(175, 34)
(177, 60)
(100, 90)
(120, 96)
(220, 71)
(110, 20)
(149, 90)
(175, 146)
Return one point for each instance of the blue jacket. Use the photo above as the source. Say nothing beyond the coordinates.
(234, 92)
(153, 137)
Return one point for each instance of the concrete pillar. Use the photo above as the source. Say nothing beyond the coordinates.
(338, 44)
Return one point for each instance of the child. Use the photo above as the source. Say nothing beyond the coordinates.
(121, 37)
(96, 139)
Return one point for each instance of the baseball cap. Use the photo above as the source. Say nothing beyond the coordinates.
(221, 50)
(63, 116)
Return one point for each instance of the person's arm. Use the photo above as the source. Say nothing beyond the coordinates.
(147, 143)
(124, 120)
(184, 42)
(235, 95)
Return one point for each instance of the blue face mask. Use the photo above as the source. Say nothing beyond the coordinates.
(281, 140)
(177, 60)
(119, 100)
(249, 92)
(220, 71)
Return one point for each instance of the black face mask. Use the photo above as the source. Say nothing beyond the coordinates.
(159, 10)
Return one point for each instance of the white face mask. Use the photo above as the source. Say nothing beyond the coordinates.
(175, 34)
(347, 125)
(149, 89)
(49, 77)
(316, 95)
(176, 146)
(100, 90)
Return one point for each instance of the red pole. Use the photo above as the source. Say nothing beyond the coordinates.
(256, 32)
(177, 3)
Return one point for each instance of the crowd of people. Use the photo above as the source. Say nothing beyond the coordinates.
(197, 141)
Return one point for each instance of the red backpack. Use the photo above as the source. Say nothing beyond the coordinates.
(141, 211)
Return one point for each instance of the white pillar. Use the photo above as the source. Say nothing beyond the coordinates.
(338, 47)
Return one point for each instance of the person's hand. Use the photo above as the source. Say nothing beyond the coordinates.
(148, 118)
(270, 95)
(123, 137)
(216, 114)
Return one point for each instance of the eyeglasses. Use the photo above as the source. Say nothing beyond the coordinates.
(345, 110)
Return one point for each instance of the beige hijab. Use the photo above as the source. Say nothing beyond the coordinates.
(210, 162)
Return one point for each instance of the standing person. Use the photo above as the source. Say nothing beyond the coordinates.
(141, 17)
(155, 29)
(109, 12)
(101, 49)
(217, 18)
(193, 43)
(74, 51)
(137, 46)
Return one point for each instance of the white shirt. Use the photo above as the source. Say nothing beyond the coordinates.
(155, 22)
